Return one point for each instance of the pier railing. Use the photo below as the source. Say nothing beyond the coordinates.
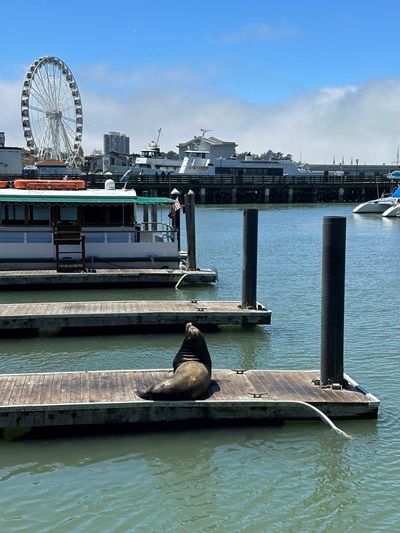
(258, 181)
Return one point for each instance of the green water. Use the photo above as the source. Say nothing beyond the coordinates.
(298, 477)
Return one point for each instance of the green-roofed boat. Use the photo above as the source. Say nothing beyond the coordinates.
(49, 226)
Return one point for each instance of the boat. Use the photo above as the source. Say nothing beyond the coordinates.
(380, 205)
(200, 163)
(393, 211)
(152, 163)
(82, 229)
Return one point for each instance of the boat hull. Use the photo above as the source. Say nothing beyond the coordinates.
(373, 206)
(393, 211)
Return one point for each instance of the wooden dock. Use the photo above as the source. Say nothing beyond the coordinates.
(109, 397)
(117, 277)
(31, 317)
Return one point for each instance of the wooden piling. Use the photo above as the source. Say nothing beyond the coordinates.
(332, 300)
(190, 229)
(249, 268)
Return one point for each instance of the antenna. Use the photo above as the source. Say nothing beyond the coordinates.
(204, 131)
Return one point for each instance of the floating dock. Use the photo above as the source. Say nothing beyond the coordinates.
(31, 317)
(109, 397)
(123, 277)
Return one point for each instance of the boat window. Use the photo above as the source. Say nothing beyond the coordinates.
(68, 213)
(116, 215)
(94, 215)
(13, 214)
(39, 215)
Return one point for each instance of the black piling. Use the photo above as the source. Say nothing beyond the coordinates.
(249, 268)
(332, 300)
(176, 215)
(190, 229)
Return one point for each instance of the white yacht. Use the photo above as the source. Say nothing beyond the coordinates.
(199, 163)
(380, 205)
(55, 224)
(393, 211)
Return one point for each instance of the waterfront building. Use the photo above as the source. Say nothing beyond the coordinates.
(115, 142)
(215, 147)
(10, 158)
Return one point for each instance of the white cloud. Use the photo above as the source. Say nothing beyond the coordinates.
(258, 32)
(354, 121)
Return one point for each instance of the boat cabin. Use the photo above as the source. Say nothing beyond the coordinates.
(80, 229)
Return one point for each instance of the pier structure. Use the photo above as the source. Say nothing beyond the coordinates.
(71, 399)
(127, 316)
(104, 278)
(232, 189)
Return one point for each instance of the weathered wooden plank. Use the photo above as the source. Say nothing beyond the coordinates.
(17, 389)
(45, 393)
(8, 388)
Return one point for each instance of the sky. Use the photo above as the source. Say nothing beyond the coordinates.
(319, 79)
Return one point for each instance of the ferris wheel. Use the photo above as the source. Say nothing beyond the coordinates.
(51, 111)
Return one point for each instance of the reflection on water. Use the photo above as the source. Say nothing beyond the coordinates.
(298, 477)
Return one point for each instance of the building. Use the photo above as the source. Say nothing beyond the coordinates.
(214, 146)
(10, 158)
(116, 142)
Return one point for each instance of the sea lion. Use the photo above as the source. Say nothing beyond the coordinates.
(192, 371)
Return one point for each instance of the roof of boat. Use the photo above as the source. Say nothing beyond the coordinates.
(88, 196)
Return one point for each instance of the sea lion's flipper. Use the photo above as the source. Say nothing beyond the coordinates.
(142, 394)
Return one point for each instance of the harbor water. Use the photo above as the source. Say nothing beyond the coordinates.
(300, 476)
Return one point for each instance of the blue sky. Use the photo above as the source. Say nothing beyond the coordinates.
(315, 78)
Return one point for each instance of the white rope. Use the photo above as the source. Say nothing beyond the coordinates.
(180, 279)
(322, 415)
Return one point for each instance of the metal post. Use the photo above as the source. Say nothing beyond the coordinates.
(190, 229)
(154, 217)
(249, 268)
(176, 216)
(332, 300)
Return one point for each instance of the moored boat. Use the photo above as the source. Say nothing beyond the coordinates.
(393, 211)
(80, 229)
(380, 205)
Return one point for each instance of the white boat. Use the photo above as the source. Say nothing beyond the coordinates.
(199, 162)
(393, 211)
(43, 227)
(380, 205)
(151, 163)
